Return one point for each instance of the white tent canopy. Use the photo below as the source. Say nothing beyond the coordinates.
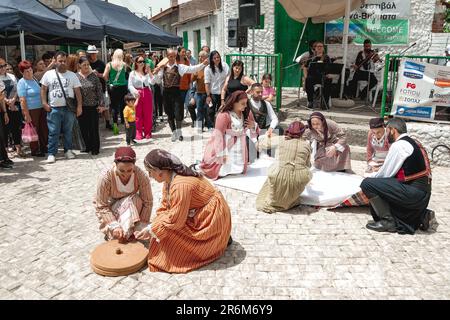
(321, 11)
(318, 10)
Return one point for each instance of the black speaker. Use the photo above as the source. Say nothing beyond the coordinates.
(249, 13)
(237, 35)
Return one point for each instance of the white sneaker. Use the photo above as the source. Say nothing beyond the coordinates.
(51, 159)
(174, 136)
(69, 154)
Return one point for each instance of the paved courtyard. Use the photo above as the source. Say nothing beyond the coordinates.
(48, 229)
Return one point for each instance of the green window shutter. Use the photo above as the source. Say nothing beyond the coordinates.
(185, 39)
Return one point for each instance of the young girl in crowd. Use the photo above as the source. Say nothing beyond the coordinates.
(268, 90)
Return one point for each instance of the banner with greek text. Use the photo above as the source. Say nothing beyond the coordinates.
(423, 92)
(383, 22)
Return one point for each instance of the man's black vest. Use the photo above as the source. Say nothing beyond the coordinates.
(415, 166)
(260, 115)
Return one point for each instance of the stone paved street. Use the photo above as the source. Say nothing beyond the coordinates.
(49, 229)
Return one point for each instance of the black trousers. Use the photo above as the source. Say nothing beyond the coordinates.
(88, 122)
(3, 139)
(117, 94)
(173, 107)
(407, 202)
(361, 76)
(157, 96)
(131, 132)
(212, 111)
(326, 90)
(14, 127)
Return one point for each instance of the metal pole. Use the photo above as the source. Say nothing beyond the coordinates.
(300, 40)
(385, 82)
(253, 51)
(68, 49)
(22, 45)
(104, 54)
(345, 43)
(6, 53)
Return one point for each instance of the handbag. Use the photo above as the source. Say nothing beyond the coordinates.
(29, 133)
(71, 103)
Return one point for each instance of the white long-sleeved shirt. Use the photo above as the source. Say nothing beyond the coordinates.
(182, 69)
(138, 81)
(217, 79)
(399, 151)
(272, 119)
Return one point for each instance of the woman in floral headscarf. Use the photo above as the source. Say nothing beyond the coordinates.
(227, 152)
(289, 175)
(193, 225)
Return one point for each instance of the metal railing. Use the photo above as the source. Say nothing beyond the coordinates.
(390, 77)
(256, 65)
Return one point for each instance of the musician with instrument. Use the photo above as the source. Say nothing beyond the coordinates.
(362, 70)
(314, 78)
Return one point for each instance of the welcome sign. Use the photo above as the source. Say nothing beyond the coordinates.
(383, 22)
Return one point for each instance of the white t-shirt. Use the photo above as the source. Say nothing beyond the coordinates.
(55, 95)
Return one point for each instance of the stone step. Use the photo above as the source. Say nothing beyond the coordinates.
(358, 153)
(338, 116)
(356, 134)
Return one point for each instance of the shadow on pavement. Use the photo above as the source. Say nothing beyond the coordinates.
(233, 256)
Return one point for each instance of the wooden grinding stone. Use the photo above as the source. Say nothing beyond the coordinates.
(114, 259)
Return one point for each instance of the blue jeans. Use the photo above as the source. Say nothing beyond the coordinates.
(202, 109)
(60, 119)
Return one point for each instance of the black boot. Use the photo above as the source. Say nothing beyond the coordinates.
(180, 134)
(382, 209)
(429, 217)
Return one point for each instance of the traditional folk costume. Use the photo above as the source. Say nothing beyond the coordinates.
(332, 135)
(229, 139)
(377, 149)
(193, 225)
(289, 175)
(171, 76)
(400, 191)
(128, 206)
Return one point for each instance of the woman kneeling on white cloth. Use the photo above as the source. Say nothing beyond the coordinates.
(330, 149)
(124, 198)
(227, 152)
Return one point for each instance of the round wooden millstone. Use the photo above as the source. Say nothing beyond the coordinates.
(114, 259)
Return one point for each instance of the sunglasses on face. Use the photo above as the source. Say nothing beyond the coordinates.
(140, 61)
(3, 65)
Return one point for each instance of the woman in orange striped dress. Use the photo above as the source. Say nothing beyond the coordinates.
(193, 225)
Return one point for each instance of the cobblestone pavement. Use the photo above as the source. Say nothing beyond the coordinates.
(49, 229)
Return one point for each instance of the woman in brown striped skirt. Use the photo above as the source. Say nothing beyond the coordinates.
(329, 144)
(124, 200)
(193, 225)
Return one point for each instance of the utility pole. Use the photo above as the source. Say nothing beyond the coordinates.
(151, 13)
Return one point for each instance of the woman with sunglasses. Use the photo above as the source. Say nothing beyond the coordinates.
(139, 83)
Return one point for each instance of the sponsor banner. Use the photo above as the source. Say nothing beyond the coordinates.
(423, 91)
(383, 22)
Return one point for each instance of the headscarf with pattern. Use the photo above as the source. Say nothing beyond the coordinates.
(295, 130)
(163, 160)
